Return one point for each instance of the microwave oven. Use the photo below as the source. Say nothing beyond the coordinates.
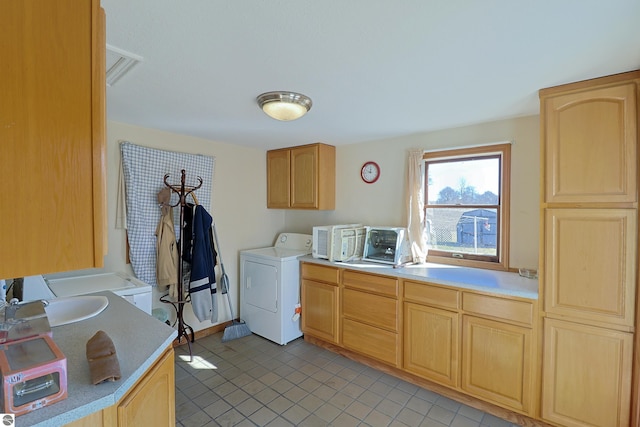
(338, 242)
(388, 245)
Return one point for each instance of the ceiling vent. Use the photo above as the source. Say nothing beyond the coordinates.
(119, 62)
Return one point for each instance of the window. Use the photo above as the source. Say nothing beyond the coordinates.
(467, 206)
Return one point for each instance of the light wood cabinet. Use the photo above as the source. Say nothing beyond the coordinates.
(497, 349)
(431, 327)
(431, 343)
(320, 296)
(590, 272)
(370, 316)
(586, 375)
(150, 402)
(301, 177)
(469, 342)
(589, 235)
(590, 142)
(53, 136)
(496, 361)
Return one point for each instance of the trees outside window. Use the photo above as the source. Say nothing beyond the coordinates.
(467, 206)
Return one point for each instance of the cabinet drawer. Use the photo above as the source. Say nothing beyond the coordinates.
(369, 282)
(371, 309)
(500, 308)
(370, 341)
(321, 273)
(432, 295)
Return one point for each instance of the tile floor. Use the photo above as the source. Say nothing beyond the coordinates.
(251, 381)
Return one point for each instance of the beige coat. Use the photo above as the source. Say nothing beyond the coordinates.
(167, 253)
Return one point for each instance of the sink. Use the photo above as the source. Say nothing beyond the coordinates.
(65, 310)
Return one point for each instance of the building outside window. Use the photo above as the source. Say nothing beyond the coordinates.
(467, 206)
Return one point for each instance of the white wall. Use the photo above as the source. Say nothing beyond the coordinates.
(239, 191)
(238, 203)
(383, 203)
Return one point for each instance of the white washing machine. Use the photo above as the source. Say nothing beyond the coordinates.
(133, 290)
(270, 287)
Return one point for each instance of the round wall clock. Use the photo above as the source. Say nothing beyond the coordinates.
(370, 172)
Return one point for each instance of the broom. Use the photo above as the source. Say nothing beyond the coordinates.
(238, 328)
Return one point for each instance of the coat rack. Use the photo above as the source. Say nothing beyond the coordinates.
(184, 330)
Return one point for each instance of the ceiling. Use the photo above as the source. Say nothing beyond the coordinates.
(374, 69)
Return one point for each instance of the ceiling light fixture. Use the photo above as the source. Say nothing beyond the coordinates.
(283, 105)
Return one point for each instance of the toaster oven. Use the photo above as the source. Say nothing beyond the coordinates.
(388, 245)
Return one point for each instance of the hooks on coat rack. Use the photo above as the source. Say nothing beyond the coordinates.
(182, 191)
(184, 330)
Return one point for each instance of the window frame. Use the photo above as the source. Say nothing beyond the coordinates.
(503, 152)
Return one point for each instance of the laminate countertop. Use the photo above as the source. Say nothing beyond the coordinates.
(139, 339)
(496, 282)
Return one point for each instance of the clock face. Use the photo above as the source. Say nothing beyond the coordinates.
(370, 172)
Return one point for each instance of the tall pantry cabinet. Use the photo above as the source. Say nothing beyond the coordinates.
(589, 255)
(52, 136)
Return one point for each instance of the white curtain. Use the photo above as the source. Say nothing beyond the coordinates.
(415, 203)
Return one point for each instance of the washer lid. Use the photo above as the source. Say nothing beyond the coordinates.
(276, 253)
(79, 285)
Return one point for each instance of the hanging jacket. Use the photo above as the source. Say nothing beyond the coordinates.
(187, 232)
(202, 284)
(167, 252)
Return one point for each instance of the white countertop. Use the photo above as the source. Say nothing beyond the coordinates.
(497, 282)
(139, 339)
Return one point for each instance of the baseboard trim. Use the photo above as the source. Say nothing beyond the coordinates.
(204, 333)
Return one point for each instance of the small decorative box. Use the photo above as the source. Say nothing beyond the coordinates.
(34, 374)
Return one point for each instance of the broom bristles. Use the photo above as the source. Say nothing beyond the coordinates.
(235, 330)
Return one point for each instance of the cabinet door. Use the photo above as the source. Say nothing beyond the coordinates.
(320, 310)
(431, 343)
(152, 401)
(304, 177)
(52, 108)
(590, 140)
(496, 362)
(104, 418)
(278, 179)
(591, 264)
(586, 375)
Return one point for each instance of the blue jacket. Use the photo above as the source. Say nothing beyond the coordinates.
(202, 284)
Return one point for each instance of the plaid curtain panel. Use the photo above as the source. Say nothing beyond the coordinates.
(143, 171)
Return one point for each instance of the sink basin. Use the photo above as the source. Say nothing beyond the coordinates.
(65, 310)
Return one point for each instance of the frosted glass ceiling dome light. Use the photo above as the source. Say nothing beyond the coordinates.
(284, 106)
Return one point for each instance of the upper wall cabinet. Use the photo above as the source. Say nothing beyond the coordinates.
(590, 140)
(52, 136)
(302, 177)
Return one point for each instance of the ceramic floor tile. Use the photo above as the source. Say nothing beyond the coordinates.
(251, 382)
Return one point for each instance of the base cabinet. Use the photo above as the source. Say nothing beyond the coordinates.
(496, 361)
(320, 313)
(320, 297)
(151, 402)
(370, 316)
(470, 343)
(586, 371)
(371, 341)
(431, 345)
